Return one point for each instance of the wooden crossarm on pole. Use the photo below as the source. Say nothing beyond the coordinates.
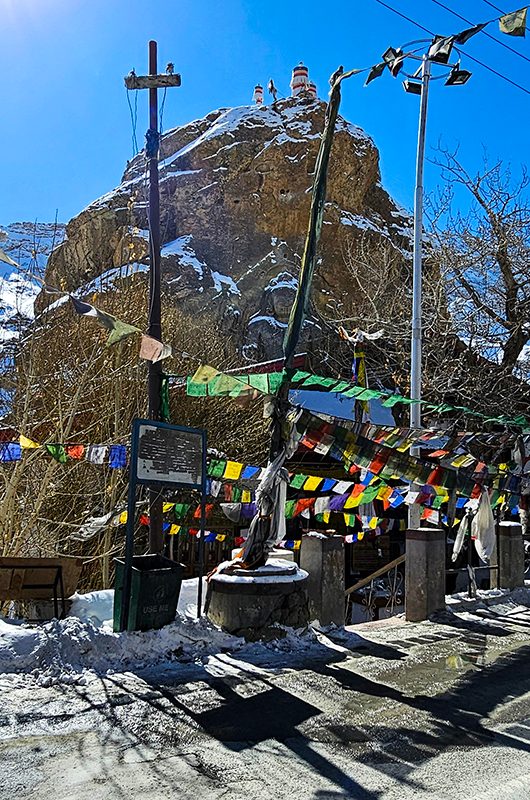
(152, 81)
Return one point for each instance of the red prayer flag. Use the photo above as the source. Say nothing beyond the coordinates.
(75, 450)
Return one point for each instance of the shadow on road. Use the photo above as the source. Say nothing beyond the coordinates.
(244, 706)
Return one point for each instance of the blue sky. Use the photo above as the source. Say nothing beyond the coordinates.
(66, 129)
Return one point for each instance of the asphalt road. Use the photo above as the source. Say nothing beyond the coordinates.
(429, 710)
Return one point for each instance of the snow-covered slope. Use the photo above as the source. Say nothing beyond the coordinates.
(29, 244)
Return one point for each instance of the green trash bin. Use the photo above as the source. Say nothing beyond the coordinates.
(155, 589)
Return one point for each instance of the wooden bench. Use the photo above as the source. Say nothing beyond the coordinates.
(39, 579)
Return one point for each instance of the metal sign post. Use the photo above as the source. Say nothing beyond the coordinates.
(163, 455)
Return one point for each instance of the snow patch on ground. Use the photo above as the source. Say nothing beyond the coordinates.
(501, 600)
(69, 651)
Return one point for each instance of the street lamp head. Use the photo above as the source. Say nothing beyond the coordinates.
(440, 49)
(412, 87)
(389, 56)
(457, 76)
(394, 60)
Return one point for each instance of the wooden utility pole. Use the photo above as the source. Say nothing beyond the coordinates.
(153, 82)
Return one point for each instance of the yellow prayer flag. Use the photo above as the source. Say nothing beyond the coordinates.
(246, 496)
(373, 523)
(123, 518)
(460, 460)
(27, 443)
(232, 470)
(353, 501)
(360, 536)
(404, 445)
(384, 492)
(311, 483)
(325, 516)
(174, 529)
(167, 507)
(220, 537)
(296, 544)
(204, 374)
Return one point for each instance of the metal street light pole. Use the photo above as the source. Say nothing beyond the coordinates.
(415, 350)
(416, 339)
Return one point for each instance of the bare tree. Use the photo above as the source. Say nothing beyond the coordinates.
(484, 257)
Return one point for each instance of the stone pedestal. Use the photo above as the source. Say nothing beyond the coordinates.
(253, 603)
(284, 555)
(510, 555)
(323, 558)
(424, 573)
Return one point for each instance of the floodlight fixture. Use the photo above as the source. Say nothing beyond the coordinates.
(457, 76)
(390, 55)
(412, 87)
(393, 59)
(440, 49)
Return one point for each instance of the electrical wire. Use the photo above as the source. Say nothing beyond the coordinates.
(493, 38)
(471, 58)
(134, 120)
(160, 126)
(495, 8)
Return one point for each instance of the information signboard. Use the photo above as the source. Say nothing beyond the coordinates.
(163, 455)
(169, 454)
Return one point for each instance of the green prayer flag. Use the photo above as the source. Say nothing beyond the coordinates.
(514, 24)
(223, 385)
(316, 380)
(164, 399)
(290, 506)
(216, 468)
(275, 379)
(259, 382)
(181, 509)
(341, 386)
(370, 493)
(195, 389)
(118, 329)
(393, 400)
(369, 394)
(298, 481)
(58, 452)
(299, 375)
(355, 391)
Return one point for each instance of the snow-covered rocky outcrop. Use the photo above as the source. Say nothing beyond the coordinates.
(235, 197)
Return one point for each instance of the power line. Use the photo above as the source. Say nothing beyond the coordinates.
(395, 11)
(471, 58)
(134, 120)
(493, 7)
(493, 38)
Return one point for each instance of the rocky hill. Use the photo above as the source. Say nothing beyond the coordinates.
(235, 195)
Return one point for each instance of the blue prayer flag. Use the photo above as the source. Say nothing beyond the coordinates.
(117, 456)
(10, 451)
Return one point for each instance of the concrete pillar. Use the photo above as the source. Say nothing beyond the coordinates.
(323, 558)
(510, 555)
(424, 573)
